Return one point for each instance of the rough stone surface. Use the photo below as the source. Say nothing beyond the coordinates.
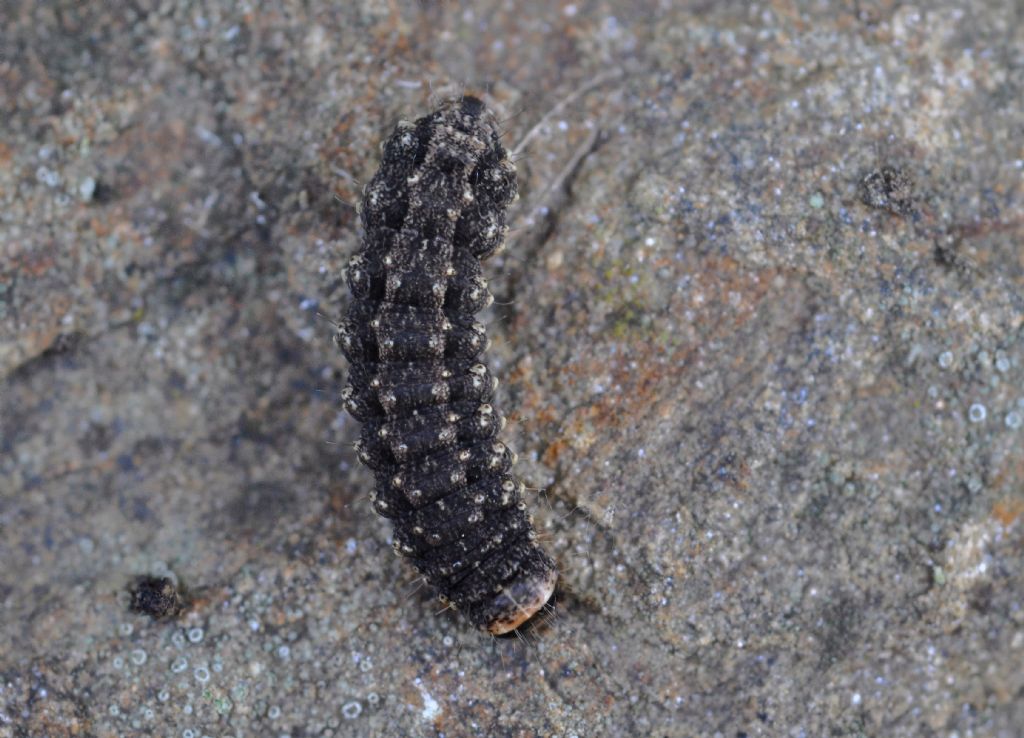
(760, 325)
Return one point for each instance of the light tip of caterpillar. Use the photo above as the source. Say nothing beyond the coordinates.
(520, 601)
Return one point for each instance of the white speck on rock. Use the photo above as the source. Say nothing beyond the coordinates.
(431, 708)
(86, 189)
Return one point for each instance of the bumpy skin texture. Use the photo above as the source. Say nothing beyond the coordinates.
(433, 211)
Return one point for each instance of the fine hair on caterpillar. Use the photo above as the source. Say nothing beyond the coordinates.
(432, 213)
(435, 210)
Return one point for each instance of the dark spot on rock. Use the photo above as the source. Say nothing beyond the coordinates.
(948, 253)
(60, 351)
(888, 188)
(840, 620)
(97, 438)
(261, 505)
(104, 193)
(64, 343)
(980, 598)
(176, 380)
(157, 597)
(135, 508)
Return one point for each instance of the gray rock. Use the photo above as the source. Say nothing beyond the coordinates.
(760, 330)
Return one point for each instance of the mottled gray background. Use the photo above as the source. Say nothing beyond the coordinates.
(760, 329)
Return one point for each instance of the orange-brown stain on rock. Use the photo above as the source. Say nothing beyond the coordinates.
(1008, 510)
(648, 376)
(33, 263)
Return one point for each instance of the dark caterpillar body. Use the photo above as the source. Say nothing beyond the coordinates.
(433, 211)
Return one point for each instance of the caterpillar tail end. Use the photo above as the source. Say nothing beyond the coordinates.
(520, 601)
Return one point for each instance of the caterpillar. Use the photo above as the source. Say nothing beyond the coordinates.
(431, 214)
